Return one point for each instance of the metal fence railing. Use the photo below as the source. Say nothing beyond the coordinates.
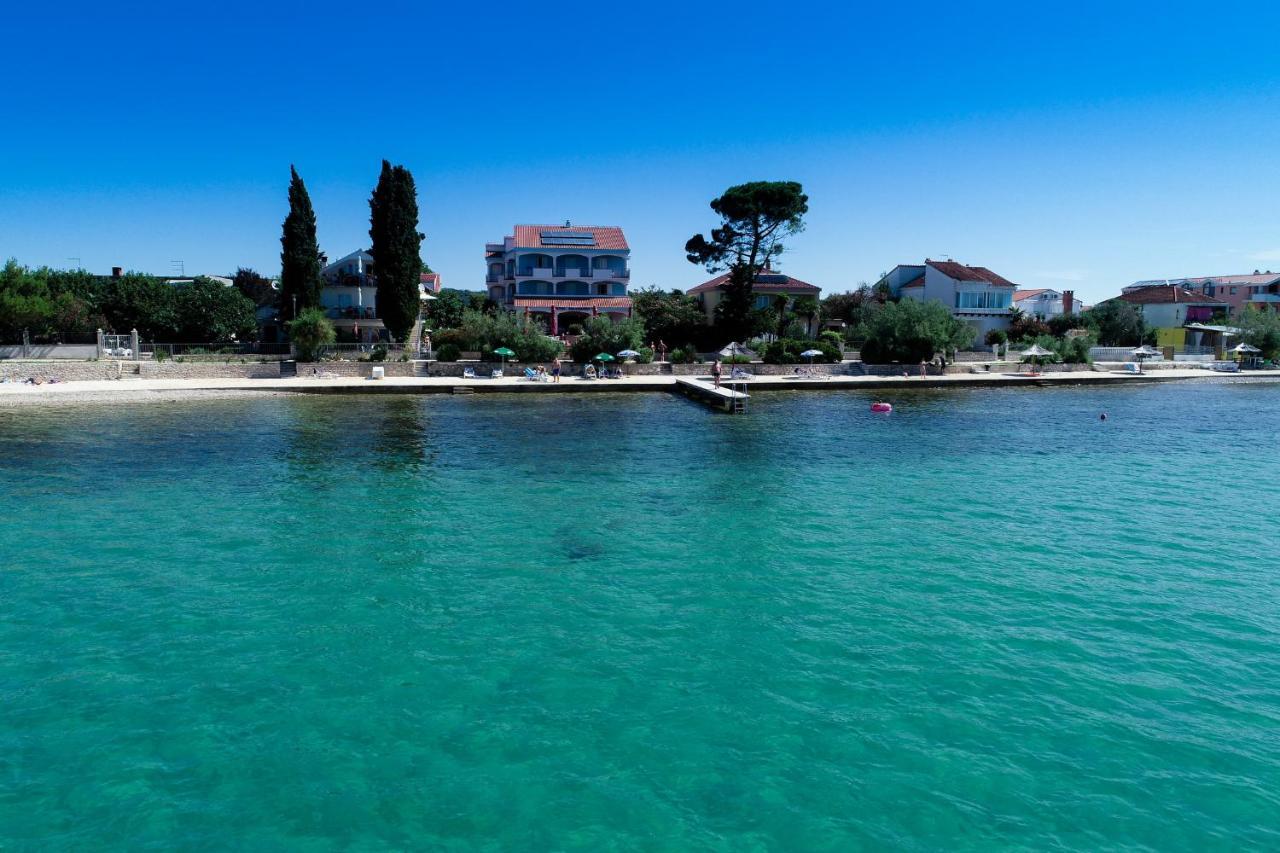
(249, 348)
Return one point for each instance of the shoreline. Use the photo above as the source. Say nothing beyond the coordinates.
(173, 390)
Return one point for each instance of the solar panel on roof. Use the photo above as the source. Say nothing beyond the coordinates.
(771, 279)
(569, 238)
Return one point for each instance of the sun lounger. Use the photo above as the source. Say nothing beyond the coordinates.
(496, 374)
(739, 373)
(468, 373)
(589, 372)
(531, 374)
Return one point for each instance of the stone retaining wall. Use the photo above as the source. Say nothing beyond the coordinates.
(79, 371)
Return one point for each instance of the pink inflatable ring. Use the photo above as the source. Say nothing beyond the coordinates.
(881, 407)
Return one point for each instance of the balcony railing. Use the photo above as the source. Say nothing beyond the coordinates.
(351, 313)
(582, 275)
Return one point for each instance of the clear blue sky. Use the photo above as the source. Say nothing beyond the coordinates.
(1085, 146)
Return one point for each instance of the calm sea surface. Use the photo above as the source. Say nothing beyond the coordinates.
(989, 620)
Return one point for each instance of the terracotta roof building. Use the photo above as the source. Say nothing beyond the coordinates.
(769, 285)
(1171, 306)
(563, 272)
(1259, 289)
(977, 295)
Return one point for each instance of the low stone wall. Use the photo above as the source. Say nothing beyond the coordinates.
(80, 371)
(68, 371)
(205, 370)
(359, 368)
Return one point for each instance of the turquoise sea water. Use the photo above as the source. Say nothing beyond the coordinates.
(989, 620)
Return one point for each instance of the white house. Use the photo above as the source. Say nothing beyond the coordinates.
(974, 294)
(1045, 303)
(565, 273)
(350, 296)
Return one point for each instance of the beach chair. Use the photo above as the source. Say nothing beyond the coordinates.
(741, 374)
(468, 373)
(1131, 367)
(531, 374)
(589, 372)
(496, 374)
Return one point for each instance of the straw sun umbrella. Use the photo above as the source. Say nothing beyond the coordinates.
(1034, 353)
(1142, 352)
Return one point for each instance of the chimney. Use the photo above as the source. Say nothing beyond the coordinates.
(1068, 301)
(116, 272)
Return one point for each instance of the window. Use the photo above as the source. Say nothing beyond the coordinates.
(983, 300)
(1233, 291)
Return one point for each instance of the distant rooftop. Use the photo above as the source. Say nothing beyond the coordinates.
(570, 236)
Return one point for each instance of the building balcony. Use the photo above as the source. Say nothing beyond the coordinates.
(568, 274)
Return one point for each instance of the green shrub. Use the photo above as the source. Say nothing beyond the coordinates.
(379, 353)
(832, 337)
(787, 351)
(996, 337)
(311, 333)
(604, 335)
(161, 355)
(448, 352)
(909, 332)
(645, 356)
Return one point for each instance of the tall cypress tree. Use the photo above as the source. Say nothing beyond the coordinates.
(299, 252)
(393, 227)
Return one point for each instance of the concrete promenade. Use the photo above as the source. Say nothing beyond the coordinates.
(16, 393)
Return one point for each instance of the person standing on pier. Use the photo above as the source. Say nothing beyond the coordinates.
(716, 370)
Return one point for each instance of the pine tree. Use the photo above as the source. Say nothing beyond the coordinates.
(393, 227)
(299, 253)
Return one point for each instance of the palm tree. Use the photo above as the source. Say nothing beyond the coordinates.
(780, 305)
(807, 307)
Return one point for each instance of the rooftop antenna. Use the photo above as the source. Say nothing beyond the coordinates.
(179, 267)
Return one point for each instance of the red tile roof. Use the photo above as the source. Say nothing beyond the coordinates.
(571, 302)
(430, 280)
(1167, 296)
(606, 237)
(767, 280)
(1019, 295)
(918, 281)
(961, 272)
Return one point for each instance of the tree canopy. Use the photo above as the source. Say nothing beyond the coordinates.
(755, 218)
(299, 251)
(397, 243)
(255, 287)
(70, 306)
(1260, 327)
(670, 316)
(909, 330)
(1115, 323)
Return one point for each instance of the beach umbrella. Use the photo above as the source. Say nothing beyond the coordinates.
(504, 354)
(1034, 353)
(603, 356)
(1244, 349)
(734, 348)
(811, 354)
(628, 353)
(1142, 352)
